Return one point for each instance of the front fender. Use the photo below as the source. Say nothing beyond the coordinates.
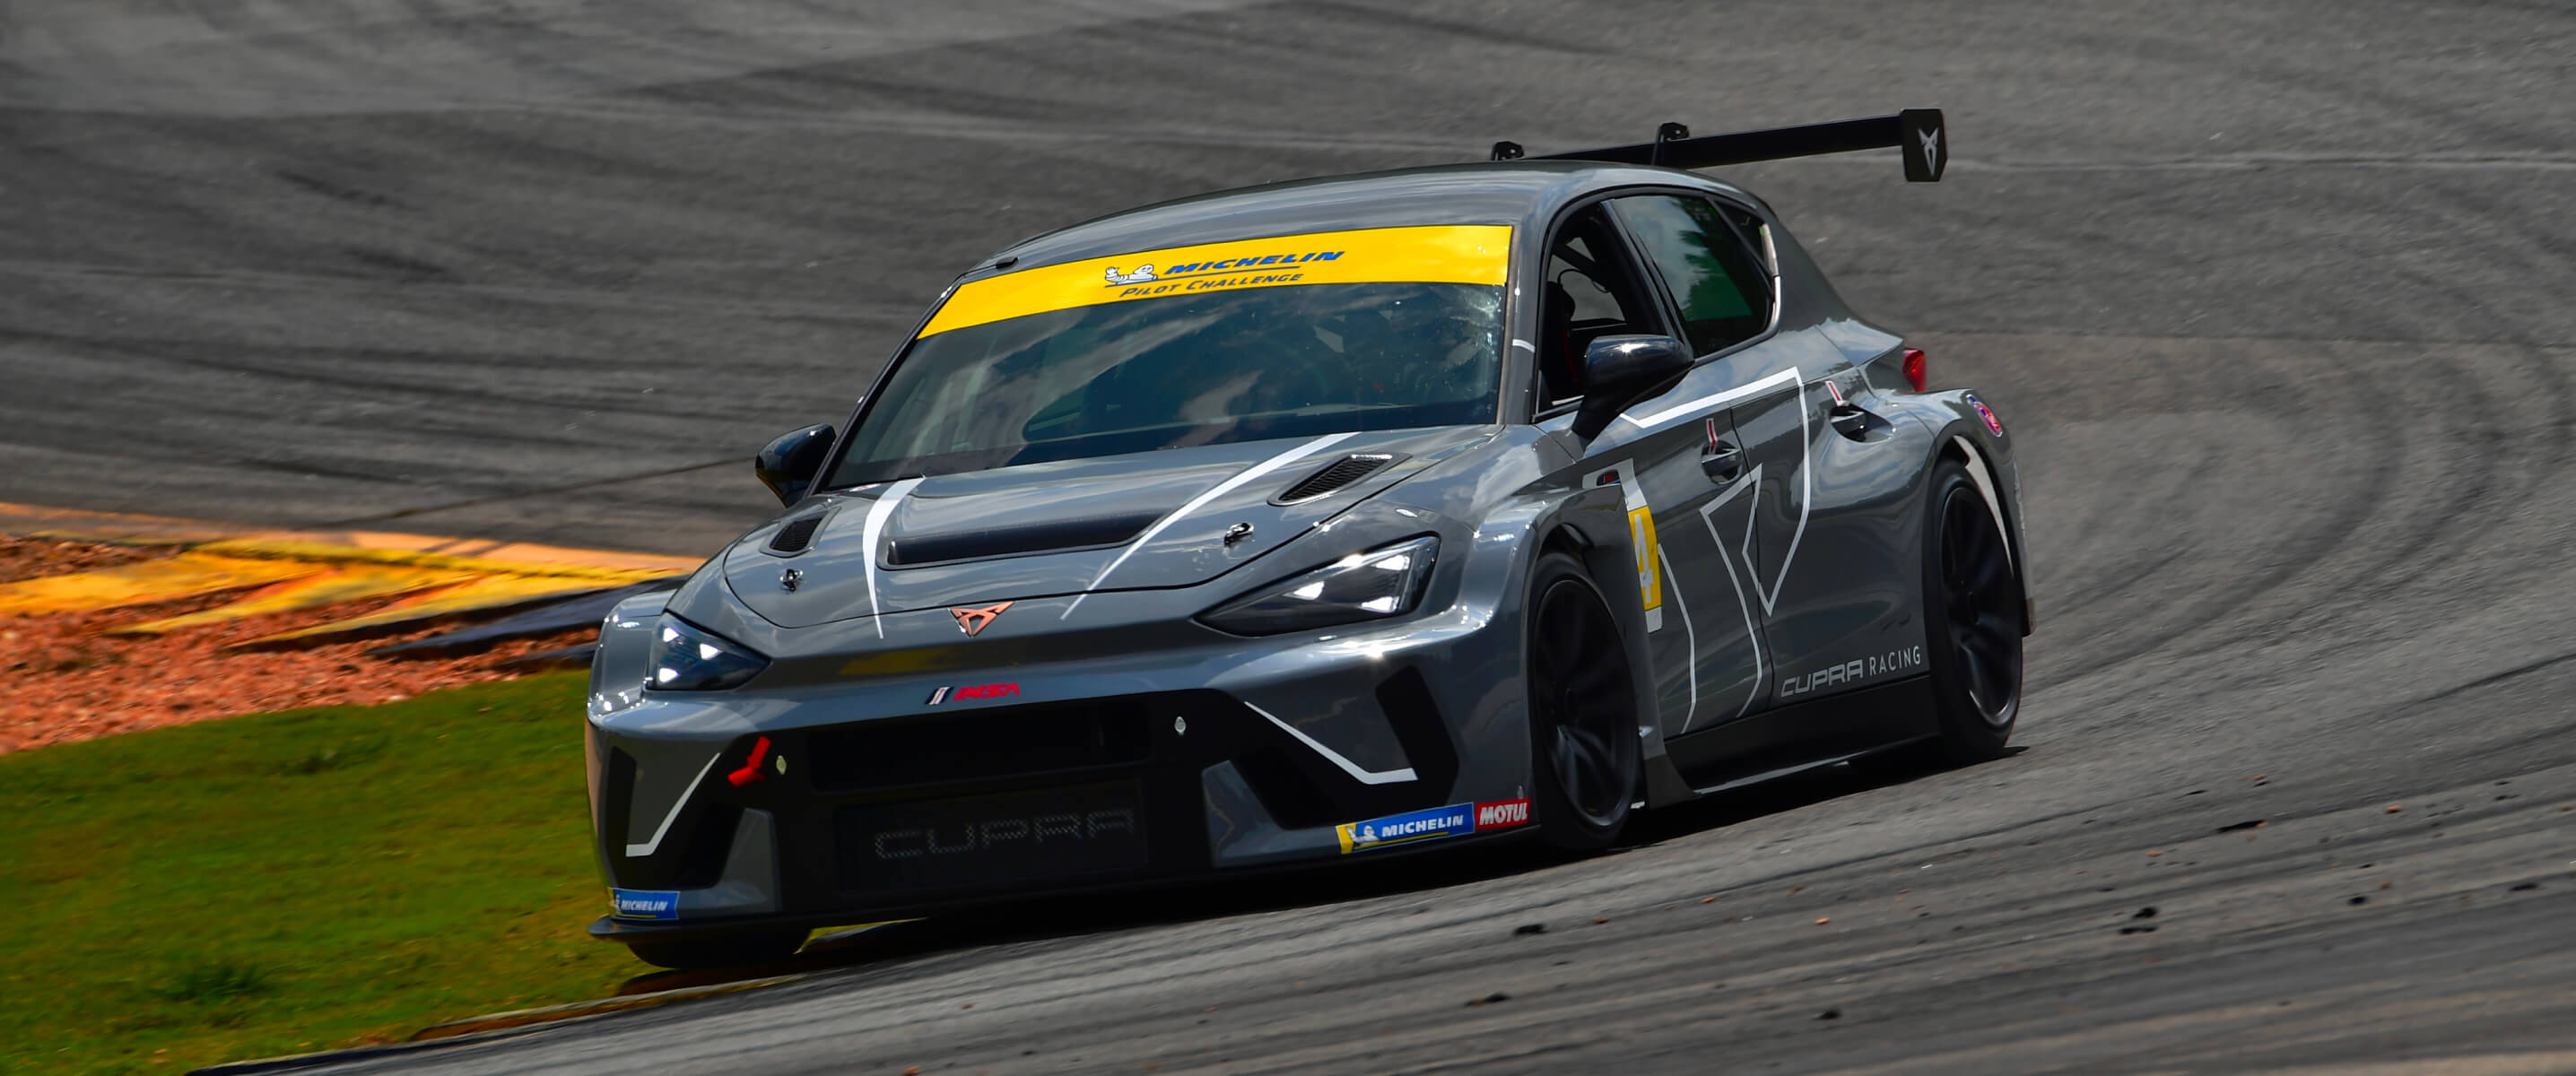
(1540, 513)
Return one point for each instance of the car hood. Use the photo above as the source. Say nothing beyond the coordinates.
(1139, 521)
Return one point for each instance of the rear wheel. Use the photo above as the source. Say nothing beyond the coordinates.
(1583, 709)
(731, 951)
(1973, 602)
(1972, 612)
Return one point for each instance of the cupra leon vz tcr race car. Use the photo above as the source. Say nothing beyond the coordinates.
(1329, 519)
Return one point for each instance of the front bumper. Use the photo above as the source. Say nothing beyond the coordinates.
(907, 791)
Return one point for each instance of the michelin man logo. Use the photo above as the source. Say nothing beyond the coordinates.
(1142, 274)
(1368, 835)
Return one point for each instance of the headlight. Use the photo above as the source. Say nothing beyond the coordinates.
(687, 657)
(1382, 582)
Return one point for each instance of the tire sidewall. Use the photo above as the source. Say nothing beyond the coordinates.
(1966, 733)
(1560, 824)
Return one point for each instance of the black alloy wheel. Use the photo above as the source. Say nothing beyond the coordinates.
(1972, 600)
(1981, 606)
(1972, 632)
(1583, 709)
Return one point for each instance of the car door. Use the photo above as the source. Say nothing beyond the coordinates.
(1811, 520)
(1721, 295)
(1662, 454)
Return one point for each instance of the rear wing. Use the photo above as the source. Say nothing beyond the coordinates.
(1915, 132)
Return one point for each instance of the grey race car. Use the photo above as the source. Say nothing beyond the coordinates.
(1328, 519)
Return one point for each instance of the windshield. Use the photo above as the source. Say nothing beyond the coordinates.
(1188, 368)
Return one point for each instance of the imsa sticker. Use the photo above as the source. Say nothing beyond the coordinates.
(1430, 824)
(1993, 425)
(644, 903)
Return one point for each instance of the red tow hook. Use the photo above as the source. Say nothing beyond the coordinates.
(751, 770)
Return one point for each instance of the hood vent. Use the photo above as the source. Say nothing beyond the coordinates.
(911, 550)
(796, 535)
(1333, 476)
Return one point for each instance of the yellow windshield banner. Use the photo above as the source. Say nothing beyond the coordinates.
(1439, 254)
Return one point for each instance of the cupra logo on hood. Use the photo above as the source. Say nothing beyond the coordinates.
(972, 621)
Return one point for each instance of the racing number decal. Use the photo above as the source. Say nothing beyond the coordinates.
(1641, 538)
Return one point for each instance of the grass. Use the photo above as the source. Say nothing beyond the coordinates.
(296, 881)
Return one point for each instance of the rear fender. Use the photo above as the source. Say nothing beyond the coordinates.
(1961, 432)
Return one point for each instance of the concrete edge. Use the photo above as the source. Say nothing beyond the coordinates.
(600, 565)
(491, 1027)
(382, 547)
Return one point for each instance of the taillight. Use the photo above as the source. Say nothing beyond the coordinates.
(1915, 372)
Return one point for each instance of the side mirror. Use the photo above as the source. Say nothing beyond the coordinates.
(790, 464)
(1621, 370)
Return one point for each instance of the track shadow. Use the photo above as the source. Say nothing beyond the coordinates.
(1268, 891)
(1776, 796)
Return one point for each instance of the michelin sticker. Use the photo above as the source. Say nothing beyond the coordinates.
(644, 903)
(1436, 822)
(1214, 273)
(1431, 254)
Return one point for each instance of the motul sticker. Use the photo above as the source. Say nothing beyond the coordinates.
(1502, 814)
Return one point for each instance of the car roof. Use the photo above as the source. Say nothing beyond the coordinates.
(1518, 193)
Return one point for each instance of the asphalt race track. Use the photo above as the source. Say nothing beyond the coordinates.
(2275, 297)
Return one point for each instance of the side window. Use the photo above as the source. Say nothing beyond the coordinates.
(1589, 293)
(1756, 235)
(1719, 283)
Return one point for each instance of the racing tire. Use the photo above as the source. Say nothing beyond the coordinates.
(1972, 618)
(1584, 757)
(733, 951)
(1972, 605)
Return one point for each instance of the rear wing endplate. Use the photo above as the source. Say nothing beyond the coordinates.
(1916, 132)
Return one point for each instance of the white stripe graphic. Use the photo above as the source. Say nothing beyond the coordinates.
(875, 529)
(1977, 473)
(1751, 481)
(1690, 638)
(1366, 777)
(1708, 516)
(1717, 399)
(1195, 503)
(646, 848)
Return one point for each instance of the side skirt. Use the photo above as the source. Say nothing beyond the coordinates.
(1795, 737)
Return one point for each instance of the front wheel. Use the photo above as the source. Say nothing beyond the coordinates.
(1583, 709)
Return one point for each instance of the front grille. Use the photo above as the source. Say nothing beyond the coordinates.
(972, 745)
(1015, 838)
(1287, 794)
